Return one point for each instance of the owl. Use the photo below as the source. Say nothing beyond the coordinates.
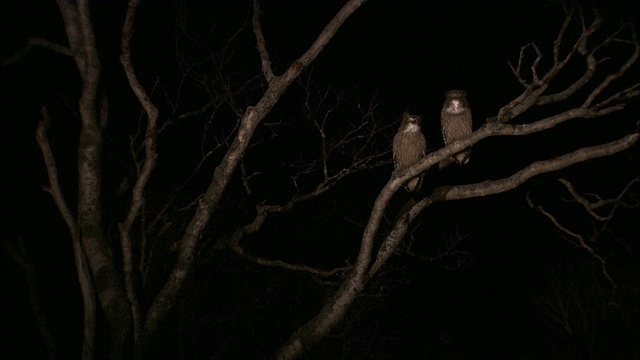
(455, 121)
(409, 146)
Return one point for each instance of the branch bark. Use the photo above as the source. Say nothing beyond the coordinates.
(335, 308)
(107, 280)
(143, 175)
(88, 232)
(209, 200)
(82, 268)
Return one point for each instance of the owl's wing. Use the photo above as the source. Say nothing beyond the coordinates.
(395, 161)
(443, 129)
(423, 146)
(395, 148)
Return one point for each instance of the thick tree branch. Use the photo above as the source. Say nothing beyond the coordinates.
(536, 168)
(335, 308)
(110, 292)
(207, 203)
(72, 28)
(82, 268)
(537, 76)
(486, 188)
(496, 129)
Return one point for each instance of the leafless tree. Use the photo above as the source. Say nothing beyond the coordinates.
(119, 299)
(596, 94)
(602, 98)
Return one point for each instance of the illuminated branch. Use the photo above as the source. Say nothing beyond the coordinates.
(262, 43)
(486, 188)
(534, 94)
(109, 289)
(536, 168)
(144, 173)
(249, 121)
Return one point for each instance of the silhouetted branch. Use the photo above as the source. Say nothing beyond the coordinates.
(579, 238)
(288, 266)
(19, 254)
(33, 43)
(591, 206)
(450, 253)
(82, 267)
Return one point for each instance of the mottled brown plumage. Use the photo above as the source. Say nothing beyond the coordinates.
(456, 123)
(409, 146)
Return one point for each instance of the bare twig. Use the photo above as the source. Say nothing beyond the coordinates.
(613, 76)
(592, 206)
(289, 266)
(450, 253)
(581, 241)
(262, 43)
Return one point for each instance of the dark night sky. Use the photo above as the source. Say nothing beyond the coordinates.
(407, 53)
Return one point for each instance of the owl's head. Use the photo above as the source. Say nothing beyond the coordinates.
(410, 122)
(455, 94)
